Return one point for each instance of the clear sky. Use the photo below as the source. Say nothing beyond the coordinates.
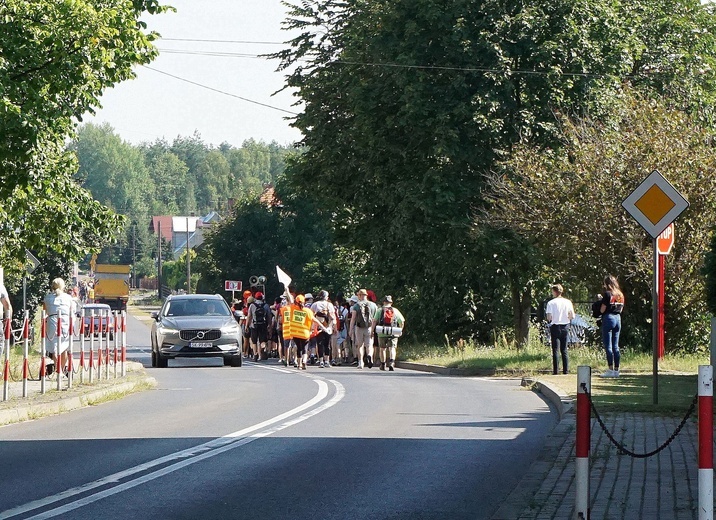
(158, 106)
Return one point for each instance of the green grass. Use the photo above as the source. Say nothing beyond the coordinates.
(632, 392)
(537, 359)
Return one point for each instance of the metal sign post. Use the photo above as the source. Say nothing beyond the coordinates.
(655, 204)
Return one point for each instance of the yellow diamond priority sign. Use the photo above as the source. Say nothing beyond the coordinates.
(655, 204)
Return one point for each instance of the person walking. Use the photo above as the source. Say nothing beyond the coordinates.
(259, 320)
(58, 302)
(611, 309)
(325, 314)
(559, 313)
(388, 317)
(5, 312)
(301, 327)
(362, 327)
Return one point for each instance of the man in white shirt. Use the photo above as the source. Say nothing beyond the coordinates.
(559, 314)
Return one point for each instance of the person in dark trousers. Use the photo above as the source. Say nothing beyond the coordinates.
(559, 314)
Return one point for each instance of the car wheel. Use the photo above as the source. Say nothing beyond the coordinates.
(227, 361)
(236, 361)
(154, 359)
(162, 361)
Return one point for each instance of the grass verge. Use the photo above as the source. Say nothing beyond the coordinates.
(632, 392)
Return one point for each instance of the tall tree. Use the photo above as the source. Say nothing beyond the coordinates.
(567, 205)
(56, 58)
(409, 104)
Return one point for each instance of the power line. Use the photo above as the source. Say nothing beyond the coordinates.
(210, 53)
(488, 70)
(201, 40)
(221, 91)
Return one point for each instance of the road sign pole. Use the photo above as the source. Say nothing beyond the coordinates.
(655, 324)
(662, 303)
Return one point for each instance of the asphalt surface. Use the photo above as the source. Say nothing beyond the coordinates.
(265, 442)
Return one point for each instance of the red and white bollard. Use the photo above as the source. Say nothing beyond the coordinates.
(106, 346)
(115, 326)
(124, 343)
(99, 346)
(706, 443)
(70, 353)
(43, 353)
(58, 355)
(584, 426)
(25, 352)
(91, 348)
(6, 371)
(82, 349)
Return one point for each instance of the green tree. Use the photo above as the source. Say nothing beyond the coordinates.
(56, 58)
(410, 104)
(567, 205)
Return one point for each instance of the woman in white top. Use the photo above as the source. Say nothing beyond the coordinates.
(59, 302)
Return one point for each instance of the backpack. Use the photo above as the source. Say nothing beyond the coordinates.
(363, 317)
(259, 314)
(388, 317)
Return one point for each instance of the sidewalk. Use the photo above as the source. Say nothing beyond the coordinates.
(662, 487)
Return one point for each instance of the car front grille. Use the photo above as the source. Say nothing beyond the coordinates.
(200, 334)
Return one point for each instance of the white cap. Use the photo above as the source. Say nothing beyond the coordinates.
(308, 296)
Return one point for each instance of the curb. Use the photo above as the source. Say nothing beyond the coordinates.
(56, 407)
(561, 401)
(434, 369)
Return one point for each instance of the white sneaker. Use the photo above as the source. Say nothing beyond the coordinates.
(609, 373)
(616, 373)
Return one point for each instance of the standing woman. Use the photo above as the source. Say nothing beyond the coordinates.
(59, 301)
(612, 307)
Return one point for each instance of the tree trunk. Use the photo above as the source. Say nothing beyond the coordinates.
(521, 311)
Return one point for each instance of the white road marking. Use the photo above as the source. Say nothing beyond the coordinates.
(191, 456)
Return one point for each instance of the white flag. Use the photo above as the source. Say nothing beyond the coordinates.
(283, 277)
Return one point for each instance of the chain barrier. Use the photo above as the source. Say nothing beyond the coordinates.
(626, 451)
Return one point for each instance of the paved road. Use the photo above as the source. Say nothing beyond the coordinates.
(261, 441)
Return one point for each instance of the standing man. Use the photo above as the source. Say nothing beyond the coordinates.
(6, 309)
(325, 314)
(301, 327)
(559, 314)
(259, 318)
(362, 327)
(388, 317)
(287, 338)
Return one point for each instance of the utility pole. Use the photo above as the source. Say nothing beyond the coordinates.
(159, 258)
(188, 259)
(134, 254)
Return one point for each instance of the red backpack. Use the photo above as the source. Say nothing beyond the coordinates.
(388, 317)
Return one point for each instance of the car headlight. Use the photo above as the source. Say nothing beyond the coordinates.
(230, 329)
(167, 331)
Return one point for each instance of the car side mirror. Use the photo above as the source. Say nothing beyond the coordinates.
(155, 315)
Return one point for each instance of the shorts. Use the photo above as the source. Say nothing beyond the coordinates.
(312, 344)
(259, 333)
(245, 331)
(300, 346)
(286, 344)
(323, 341)
(364, 338)
(274, 335)
(385, 342)
(342, 335)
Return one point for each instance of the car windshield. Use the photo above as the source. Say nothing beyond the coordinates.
(196, 307)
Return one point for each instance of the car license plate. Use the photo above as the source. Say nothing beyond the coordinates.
(195, 344)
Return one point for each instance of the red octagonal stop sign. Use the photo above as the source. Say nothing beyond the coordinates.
(666, 240)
